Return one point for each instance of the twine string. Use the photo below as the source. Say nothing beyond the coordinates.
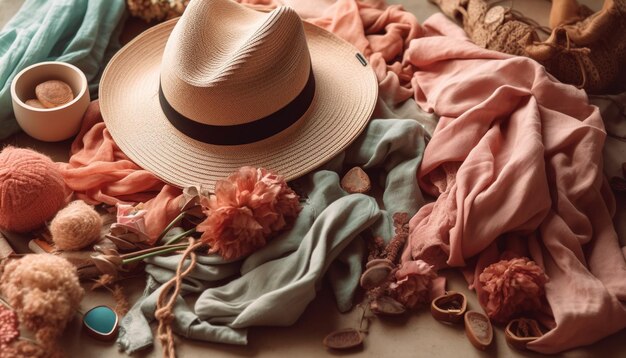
(167, 299)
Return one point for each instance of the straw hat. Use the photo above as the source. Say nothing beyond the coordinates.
(195, 98)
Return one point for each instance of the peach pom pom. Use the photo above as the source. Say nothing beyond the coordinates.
(248, 208)
(413, 282)
(44, 291)
(513, 287)
(76, 226)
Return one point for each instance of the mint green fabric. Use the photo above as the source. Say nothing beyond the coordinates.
(84, 33)
(274, 285)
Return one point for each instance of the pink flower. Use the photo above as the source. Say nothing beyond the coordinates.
(247, 209)
(9, 330)
(133, 216)
(413, 282)
(513, 286)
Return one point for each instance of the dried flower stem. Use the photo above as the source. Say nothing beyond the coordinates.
(161, 250)
(169, 226)
(180, 236)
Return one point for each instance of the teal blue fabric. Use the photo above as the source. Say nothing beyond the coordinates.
(274, 285)
(84, 33)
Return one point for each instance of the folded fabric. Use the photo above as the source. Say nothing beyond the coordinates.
(291, 267)
(81, 32)
(521, 156)
(613, 111)
(277, 292)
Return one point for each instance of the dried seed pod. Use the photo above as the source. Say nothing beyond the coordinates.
(375, 275)
(478, 329)
(521, 331)
(343, 339)
(356, 181)
(450, 307)
(375, 262)
(385, 305)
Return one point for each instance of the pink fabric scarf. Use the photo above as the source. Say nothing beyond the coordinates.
(516, 163)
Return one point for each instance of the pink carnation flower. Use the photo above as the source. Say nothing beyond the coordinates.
(513, 286)
(413, 282)
(248, 208)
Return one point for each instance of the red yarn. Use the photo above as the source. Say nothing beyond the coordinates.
(31, 189)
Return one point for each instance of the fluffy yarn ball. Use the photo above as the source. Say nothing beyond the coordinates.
(31, 189)
(44, 291)
(76, 226)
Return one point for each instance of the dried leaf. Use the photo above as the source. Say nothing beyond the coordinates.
(105, 264)
(123, 231)
(123, 244)
(104, 249)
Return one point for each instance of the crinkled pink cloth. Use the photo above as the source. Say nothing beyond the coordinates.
(515, 151)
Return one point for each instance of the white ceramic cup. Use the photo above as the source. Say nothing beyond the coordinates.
(50, 124)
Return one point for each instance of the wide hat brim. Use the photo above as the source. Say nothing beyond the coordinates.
(345, 96)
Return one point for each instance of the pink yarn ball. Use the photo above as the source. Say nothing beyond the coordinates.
(32, 189)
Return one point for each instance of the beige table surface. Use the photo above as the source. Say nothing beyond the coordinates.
(417, 335)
